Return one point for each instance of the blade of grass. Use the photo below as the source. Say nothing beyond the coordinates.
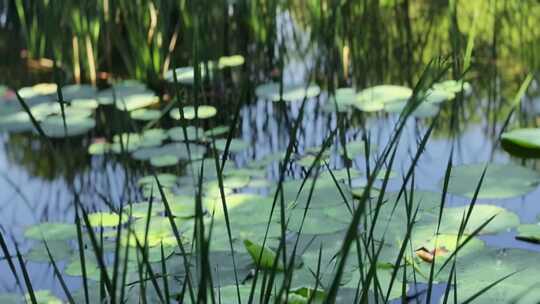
(27, 280)
(59, 275)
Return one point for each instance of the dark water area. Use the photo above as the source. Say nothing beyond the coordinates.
(332, 46)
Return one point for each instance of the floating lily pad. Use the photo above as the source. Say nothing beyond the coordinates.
(159, 231)
(153, 137)
(165, 179)
(325, 193)
(529, 232)
(345, 96)
(38, 89)
(99, 147)
(10, 298)
(271, 91)
(138, 210)
(384, 277)
(236, 201)
(164, 160)
(436, 96)
(503, 220)
(315, 222)
(136, 101)
(60, 250)
(43, 297)
(145, 114)
(193, 133)
(526, 137)
(501, 181)
(438, 249)
(342, 101)
(230, 61)
(422, 111)
(121, 91)
(74, 269)
(16, 122)
(126, 142)
(76, 112)
(106, 219)
(356, 148)
(203, 112)
(375, 98)
(483, 269)
(51, 232)
(453, 86)
(217, 131)
(178, 150)
(53, 126)
(308, 160)
(186, 75)
(75, 91)
(236, 145)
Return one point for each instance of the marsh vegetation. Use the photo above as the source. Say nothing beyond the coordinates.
(312, 151)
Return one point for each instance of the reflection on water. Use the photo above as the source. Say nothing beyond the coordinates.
(334, 47)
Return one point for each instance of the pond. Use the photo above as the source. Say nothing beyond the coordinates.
(254, 151)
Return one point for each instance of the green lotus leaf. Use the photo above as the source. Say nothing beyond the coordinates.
(233, 201)
(236, 145)
(230, 61)
(381, 95)
(262, 256)
(325, 193)
(85, 103)
(217, 131)
(501, 181)
(53, 126)
(159, 231)
(271, 91)
(441, 247)
(106, 219)
(99, 147)
(177, 150)
(453, 86)
(16, 122)
(527, 137)
(74, 268)
(424, 110)
(10, 298)
(479, 271)
(38, 89)
(126, 142)
(203, 112)
(51, 231)
(308, 160)
(165, 179)
(503, 220)
(529, 232)
(177, 133)
(120, 91)
(60, 251)
(165, 160)
(136, 101)
(436, 96)
(186, 75)
(145, 114)
(75, 91)
(43, 297)
(356, 148)
(315, 222)
(384, 278)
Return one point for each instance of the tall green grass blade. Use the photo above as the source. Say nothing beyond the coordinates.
(26, 276)
(59, 275)
(8, 258)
